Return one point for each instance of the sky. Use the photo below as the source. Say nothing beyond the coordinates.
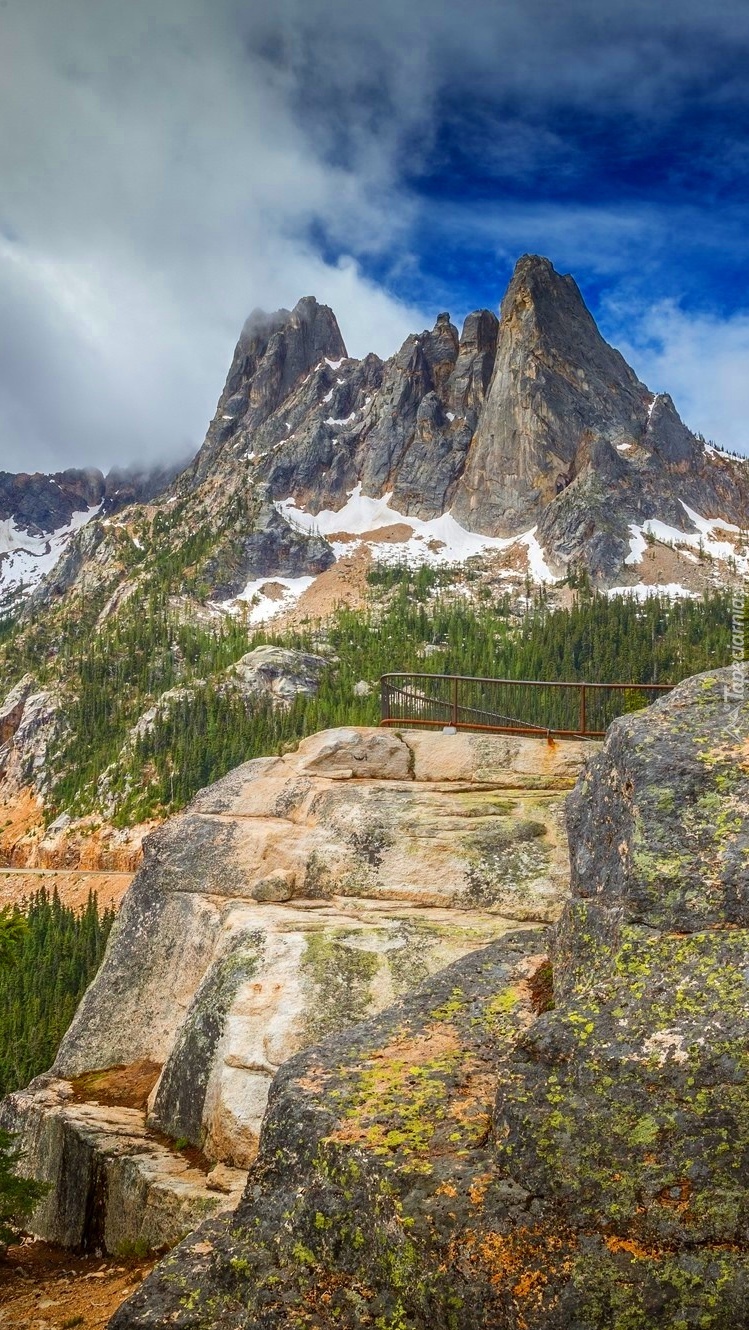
(169, 165)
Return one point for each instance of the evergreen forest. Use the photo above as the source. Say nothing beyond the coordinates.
(417, 627)
(418, 620)
(55, 955)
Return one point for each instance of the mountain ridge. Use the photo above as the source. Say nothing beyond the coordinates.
(524, 425)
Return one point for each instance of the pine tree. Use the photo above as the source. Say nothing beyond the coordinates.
(18, 1195)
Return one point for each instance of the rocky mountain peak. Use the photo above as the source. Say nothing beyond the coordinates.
(527, 420)
(562, 405)
(441, 349)
(524, 426)
(310, 330)
(545, 306)
(274, 354)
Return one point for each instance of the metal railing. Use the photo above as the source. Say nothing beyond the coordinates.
(511, 706)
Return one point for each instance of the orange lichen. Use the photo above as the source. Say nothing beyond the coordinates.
(478, 1189)
(631, 1247)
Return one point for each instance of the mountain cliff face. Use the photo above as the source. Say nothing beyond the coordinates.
(525, 427)
(528, 421)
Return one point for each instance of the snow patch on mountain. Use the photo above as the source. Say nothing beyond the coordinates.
(673, 590)
(25, 559)
(705, 538)
(267, 597)
(439, 540)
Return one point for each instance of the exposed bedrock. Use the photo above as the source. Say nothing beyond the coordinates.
(553, 1131)
(292, 899)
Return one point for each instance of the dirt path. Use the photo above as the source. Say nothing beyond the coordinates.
(73, 886)
(47, 1288)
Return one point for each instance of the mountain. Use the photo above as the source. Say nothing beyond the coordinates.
(526, 423)
(526, 431)
(40, 514)
(521, 452)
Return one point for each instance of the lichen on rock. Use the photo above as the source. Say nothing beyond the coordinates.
(282, 906)
(552, 1132)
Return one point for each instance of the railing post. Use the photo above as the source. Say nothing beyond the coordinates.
(583, 709)
(455, 702)
(384, 700)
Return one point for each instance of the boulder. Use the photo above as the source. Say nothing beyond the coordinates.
(365, 754)
(550, 1133)
(278, 887)
(277, 671)
(282, 906)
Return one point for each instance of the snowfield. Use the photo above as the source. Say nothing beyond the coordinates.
(438, 541)
(263, 607)
(25, 559)
(706, 537)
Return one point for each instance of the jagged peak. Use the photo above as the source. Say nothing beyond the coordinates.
(260, 326)
(536, 282)
(537, 266)
(544, 311)
(309, 307)
(480, 330)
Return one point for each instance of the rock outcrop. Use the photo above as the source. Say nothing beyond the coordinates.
(33, 723)
(276, 672)
(552, 1132)
(268, 673)
(293, 898)
(270, 548)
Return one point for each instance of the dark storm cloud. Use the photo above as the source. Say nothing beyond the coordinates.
(168, 165)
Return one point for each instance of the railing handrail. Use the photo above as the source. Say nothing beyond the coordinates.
(502, 714)
(535, 683)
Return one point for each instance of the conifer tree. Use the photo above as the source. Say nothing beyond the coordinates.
(18, 1195)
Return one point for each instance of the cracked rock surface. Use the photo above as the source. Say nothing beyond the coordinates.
(552, 1132)
(292, 899)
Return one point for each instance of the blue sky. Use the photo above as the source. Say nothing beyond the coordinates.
(171, 164)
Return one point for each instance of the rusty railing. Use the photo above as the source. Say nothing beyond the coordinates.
(511, 706)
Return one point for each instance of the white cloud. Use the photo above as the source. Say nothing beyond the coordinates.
(168, 165)
(157, 186)
(702, 360)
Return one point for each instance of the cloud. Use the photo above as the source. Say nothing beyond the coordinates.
(168, 165)
(156, 188)
(700, 359)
